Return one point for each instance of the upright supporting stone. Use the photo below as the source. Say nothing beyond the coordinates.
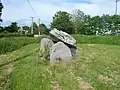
(60, 52)
(75, 53)
(46, 43)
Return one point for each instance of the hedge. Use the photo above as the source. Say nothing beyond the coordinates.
(15, 35)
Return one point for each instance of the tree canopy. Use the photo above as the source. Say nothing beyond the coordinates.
(12, 28)
(74, 23)
(62, 21)
(79, 23)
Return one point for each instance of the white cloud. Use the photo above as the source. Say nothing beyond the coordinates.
(46, 9)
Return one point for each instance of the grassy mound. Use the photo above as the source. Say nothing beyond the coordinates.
(97, 69)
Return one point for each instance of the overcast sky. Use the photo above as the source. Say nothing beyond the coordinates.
(20, 11)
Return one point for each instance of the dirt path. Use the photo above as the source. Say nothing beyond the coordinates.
(5, 75)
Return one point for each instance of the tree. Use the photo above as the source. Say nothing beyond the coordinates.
(1, 7)
(88, 25)
(115, 23)
(1, 29)
(95, 24)
(12, 28)
(62, 21)
(78, 21)
(26, 28)
(35, 28)
(43, 29)
(110, 23)
(106, 22)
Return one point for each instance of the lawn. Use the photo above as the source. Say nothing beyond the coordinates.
(97, 69)
(8, 61)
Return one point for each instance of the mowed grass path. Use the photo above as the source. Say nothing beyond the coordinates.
(97, 69)
(7, 62)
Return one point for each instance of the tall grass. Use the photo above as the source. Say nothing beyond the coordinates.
(14, 43)
(109, 40)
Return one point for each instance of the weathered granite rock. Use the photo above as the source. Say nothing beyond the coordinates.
(62, 36)
(46, 43)
(60, 52)
(75, 53)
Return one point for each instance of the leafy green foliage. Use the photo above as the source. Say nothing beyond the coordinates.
(1, 7)
(87, 25)
(12, 28)
(2, 35)
(26, 28)
(35, 28)
(102, 24)
(1, 29)
(44, 29)
(62, 21)
(78, 21)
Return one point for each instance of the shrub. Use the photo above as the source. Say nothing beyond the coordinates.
(2, 35)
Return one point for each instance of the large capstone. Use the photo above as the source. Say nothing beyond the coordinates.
(60, 52)
(62, 36)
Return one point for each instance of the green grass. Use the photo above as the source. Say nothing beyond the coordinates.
(97, 68)
(7, 62)
(13, 43)
(109, 40)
